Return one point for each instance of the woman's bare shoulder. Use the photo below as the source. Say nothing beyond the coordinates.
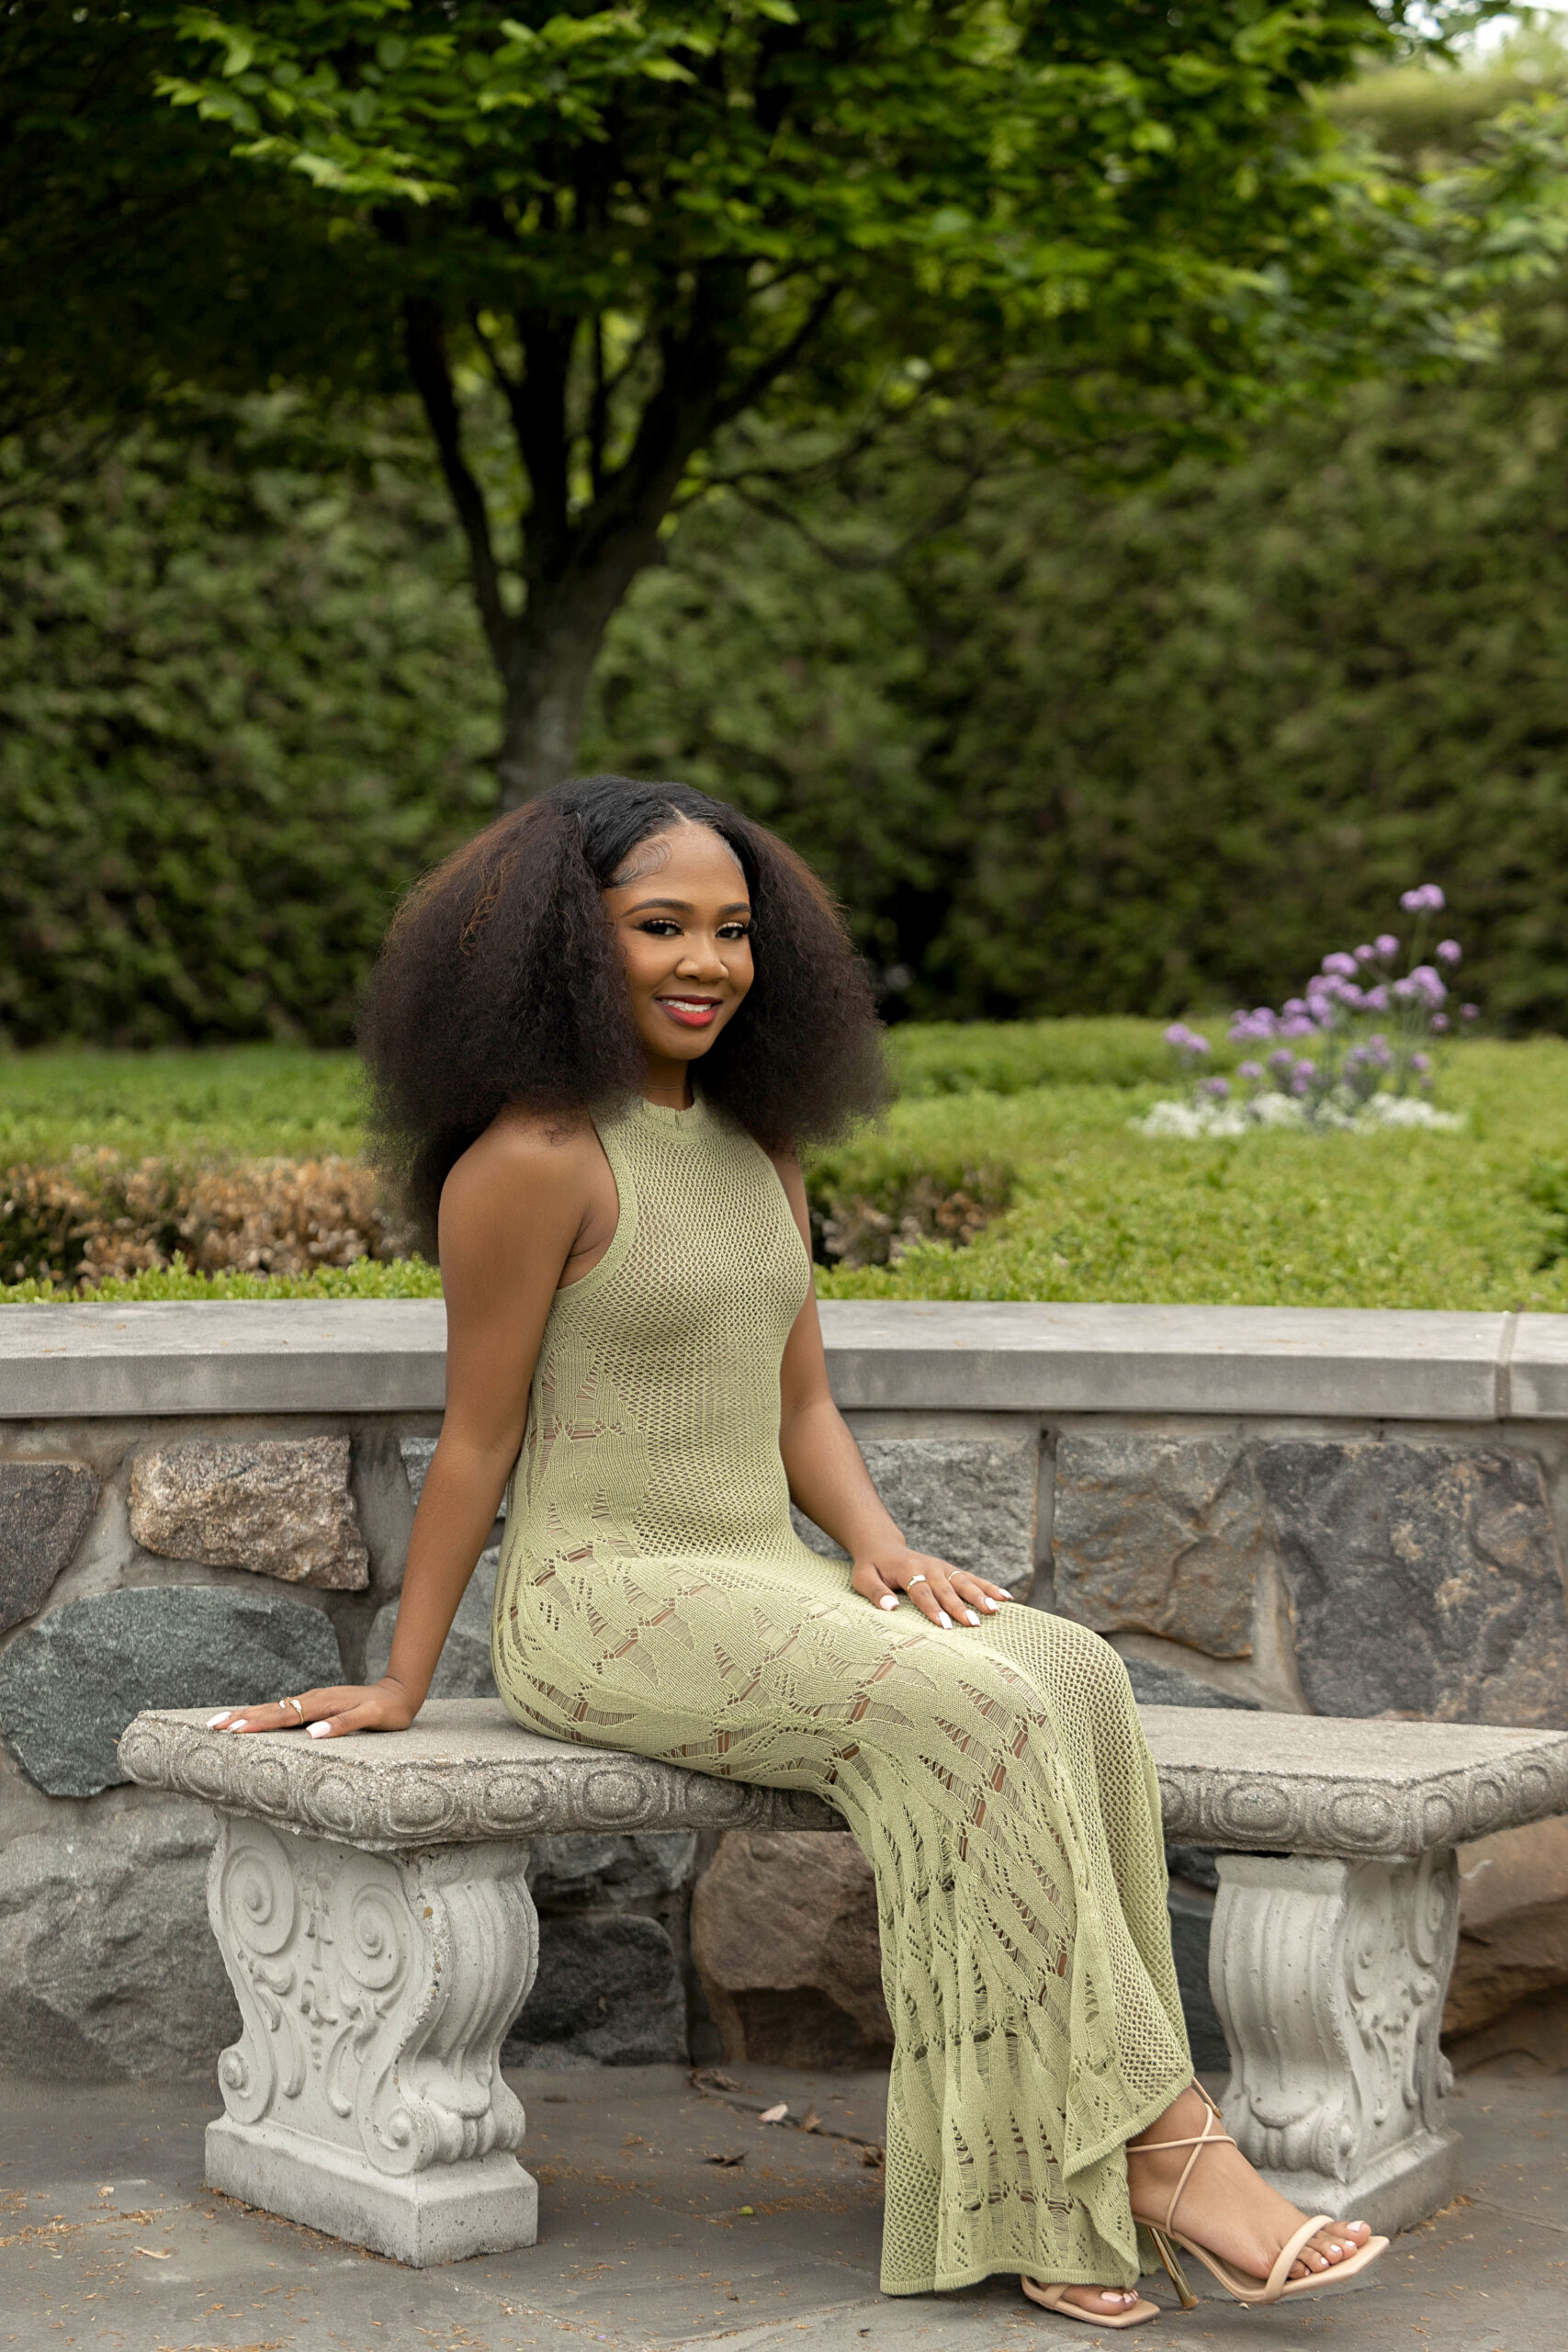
(557, 1158)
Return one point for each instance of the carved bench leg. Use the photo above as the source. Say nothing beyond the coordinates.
(1329, 1979)
(365, 2095)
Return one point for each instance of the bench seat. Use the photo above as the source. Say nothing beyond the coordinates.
(369, 1899)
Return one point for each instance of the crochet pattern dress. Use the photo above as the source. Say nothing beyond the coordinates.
(653, 1596)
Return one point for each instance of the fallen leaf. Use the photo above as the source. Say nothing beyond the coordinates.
(157, 2254)
(873, 2156)
(719, 2080)
(737, 2159)
(633, 2140)
(774, 2114)
(746, 2208)
(811, 2121)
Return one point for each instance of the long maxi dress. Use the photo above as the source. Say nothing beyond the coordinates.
(654, 1596)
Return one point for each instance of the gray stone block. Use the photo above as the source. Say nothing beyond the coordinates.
(280, 1506)
(1159, 1535)
(70, 1684)
(970, 1501)
(575, 1872)
(1423, 1580)
(1191, 1926)
(418, 1454)
(45, 1508)
(608, 1990)
(463, 1670)
(106, 1955)
(1154, 1685)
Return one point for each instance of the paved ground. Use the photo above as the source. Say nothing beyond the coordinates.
(107, 2239)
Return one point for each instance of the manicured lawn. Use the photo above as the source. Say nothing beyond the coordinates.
(1426, 1220)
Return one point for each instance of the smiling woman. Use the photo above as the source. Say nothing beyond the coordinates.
(634, 1356)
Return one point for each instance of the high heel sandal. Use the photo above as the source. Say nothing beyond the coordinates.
(1279, 2285)
(1050, 2299)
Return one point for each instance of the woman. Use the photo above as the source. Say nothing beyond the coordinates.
(634, 1345)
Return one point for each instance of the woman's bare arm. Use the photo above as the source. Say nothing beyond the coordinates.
(518, 1208)
(829, 1480)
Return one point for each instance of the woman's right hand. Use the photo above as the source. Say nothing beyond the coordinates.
(327, 1714)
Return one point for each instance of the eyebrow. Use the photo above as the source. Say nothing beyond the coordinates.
(684, 907)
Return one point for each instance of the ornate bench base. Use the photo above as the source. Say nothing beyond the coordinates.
(1329, 1979)
(485, 2206)
(365, 2095)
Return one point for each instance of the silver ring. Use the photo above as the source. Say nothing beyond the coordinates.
(918, 1577)
(291, 1702)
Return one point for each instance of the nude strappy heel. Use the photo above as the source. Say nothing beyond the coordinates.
(1050, 2299)
(1279, 2285)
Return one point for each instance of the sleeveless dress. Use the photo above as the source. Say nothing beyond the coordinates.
(654, 1596)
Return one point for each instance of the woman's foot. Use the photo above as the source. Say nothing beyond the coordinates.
(1100, 2303)
(1226, 2206)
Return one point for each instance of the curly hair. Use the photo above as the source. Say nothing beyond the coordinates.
(499, 982)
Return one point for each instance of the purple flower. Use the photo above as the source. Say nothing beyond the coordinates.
(1449, 951)
(1282, 1060)
(1470, 1012)
(1427, 981)
(1300, 1024)
(1365, 955)
(1386, 945)
(1216, 1088)
(1250, 1071)
(1301, 1077)
(1375, 1000)
(1425, 899)
(1184, 1040)
(1293, 1006)
(1251, 1028)
(1439, 1020)
(1341, 966)
(1422, 1062)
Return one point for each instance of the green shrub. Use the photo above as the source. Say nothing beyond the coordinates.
(1008, 1056)
(878, 1196)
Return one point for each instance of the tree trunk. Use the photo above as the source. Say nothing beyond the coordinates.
(548, 663)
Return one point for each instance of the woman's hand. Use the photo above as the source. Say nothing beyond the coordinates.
(948, 1596)
(326, 1714)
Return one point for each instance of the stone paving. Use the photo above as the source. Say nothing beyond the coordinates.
(107, 2238)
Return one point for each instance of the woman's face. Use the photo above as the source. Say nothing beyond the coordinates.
(682, 916)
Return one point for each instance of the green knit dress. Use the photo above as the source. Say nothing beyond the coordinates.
(653, 1596)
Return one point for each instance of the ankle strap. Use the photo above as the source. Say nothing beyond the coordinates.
(1207, 2138)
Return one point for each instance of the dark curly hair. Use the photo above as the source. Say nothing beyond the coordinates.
(499, 982)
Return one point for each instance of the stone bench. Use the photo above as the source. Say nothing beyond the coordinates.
(369, 1899)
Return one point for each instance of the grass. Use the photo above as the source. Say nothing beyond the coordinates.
(1418, 1220)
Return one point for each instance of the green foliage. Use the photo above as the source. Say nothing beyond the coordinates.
(1417, 1220)
(1164, 750)
(228, 728)
(367, 1278)
(248, 1102)
(1010, 1057)
(1472, 1221)
(877, 1196)
(1115, 230)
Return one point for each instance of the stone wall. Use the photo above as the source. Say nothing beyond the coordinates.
(1343, 1514)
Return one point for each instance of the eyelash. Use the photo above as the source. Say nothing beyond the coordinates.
(666, 927)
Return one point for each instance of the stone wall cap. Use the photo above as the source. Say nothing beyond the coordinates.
(292, 1355)
(466, 1772)
(388, 1355)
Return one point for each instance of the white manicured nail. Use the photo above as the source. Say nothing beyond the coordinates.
(888, 1600)
(945, 1620)
(318, 1731)
(213, 1721)
(970, 1614)
(988, 1603)
(238, 1724)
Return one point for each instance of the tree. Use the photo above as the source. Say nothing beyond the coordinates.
(1103, 226)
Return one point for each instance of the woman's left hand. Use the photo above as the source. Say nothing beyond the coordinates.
(948, 1596)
